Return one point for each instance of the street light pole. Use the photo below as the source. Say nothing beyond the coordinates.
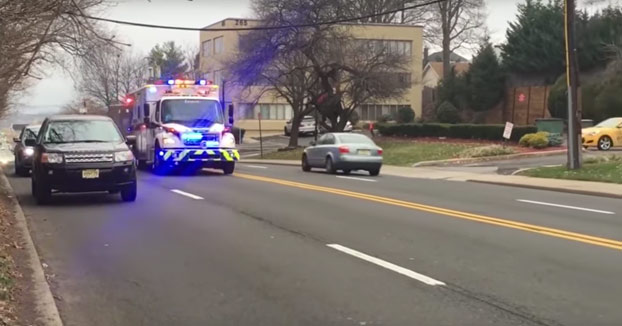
(572, 81)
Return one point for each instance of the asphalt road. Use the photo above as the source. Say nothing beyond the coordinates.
(276, 246)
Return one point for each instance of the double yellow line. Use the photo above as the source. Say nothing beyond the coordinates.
(557, 233)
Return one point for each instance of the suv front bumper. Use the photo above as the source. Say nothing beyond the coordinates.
(199, 155)
(70, 178)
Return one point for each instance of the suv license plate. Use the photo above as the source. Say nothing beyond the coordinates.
(90, 174)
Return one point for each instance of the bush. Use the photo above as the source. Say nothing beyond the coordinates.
(525, 141)
(539, 141)
(555, 140)
(461, 131)
(385, 118)
(405, 115)
(447, 113)
(494, 150)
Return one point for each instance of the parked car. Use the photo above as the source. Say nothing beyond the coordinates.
(604, 135)
(307, 126)
(82, 153)
(22, 153)
(343, 151)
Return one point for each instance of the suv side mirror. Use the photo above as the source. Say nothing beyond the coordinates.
(130, 139)
(231, 114)
(16, 139)
(30, 142)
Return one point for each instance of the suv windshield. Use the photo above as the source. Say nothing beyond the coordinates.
(191, 113)
(82, 131)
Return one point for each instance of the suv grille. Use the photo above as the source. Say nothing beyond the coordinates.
(89, 158)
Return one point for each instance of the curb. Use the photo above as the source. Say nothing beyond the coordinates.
(564, 190)
(488, 158)
(45, 306)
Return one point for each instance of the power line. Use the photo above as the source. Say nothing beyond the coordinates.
(180, 28)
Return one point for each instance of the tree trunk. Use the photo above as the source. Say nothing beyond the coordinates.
(293, 136)
(446, 30)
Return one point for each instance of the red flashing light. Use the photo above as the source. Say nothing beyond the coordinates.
(344, 149)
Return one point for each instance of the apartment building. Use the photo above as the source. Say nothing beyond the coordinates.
(217, 47)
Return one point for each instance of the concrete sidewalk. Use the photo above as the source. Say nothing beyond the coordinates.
(570, 186)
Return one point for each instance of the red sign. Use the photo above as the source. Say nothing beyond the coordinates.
(522, 97)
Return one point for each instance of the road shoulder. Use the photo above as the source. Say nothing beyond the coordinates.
(36, 301)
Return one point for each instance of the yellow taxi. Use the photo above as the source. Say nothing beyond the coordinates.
(604, 135)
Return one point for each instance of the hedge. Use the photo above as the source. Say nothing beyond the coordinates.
(462, 131)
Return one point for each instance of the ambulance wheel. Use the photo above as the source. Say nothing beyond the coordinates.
(228, 168)
(158, 167)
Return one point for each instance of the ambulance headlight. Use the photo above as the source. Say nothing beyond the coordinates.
(168, 140)
(227, 140)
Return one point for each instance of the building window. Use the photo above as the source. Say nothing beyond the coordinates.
(388, 46)
(275, 111)
(207, 48)
(219, 45)
(373, 112)
(404, 79)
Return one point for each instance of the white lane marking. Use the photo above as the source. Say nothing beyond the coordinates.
(256, 166)
(189, 195)
(251, 155)
(565, 206)
(355, 178)
(377, 261)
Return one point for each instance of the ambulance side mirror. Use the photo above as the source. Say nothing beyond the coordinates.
(231, 114)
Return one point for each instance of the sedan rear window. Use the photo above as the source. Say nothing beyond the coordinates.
(355, 139)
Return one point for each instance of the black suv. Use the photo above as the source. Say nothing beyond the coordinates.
(82, 153)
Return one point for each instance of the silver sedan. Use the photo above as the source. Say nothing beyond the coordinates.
(343, 151)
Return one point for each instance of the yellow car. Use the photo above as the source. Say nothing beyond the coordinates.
(604, 135)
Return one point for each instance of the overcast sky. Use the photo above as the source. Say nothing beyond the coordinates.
(57, 89)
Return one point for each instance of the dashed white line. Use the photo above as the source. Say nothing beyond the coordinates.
(565, 206)
(355, 178)
(377, 261)
(187, 194)
(255, 166)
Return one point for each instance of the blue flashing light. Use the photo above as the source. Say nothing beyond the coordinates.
(202, 82)
(161, 153)
(171, 82)
(191, 136)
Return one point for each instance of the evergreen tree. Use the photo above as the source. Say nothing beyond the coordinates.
(170, 58)
(486, 79)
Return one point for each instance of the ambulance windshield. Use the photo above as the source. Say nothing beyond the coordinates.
(192, 112)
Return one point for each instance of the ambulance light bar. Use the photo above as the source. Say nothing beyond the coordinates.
(201, 82)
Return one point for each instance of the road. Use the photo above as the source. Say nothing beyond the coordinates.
(276, 246)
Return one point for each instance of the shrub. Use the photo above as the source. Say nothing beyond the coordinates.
(539, 141)
(525, 141)
(555, 140)
(447, 113)
(385, 118)
(494, 150)
(405, 115)
(461, 131)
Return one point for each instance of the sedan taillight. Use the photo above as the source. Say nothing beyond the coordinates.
(379, 151)
(344, 149)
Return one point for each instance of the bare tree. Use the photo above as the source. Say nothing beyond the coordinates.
(192, 54)
(360, 8)
(84, 106)
(40, 31)
(456, 23)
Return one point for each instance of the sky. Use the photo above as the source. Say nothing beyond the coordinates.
(56, 88)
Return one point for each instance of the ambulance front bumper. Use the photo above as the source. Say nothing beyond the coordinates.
(199, 155)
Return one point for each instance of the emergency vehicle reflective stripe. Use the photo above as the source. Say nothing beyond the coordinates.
(186, 155)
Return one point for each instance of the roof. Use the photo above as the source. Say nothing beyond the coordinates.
(459, 67)
(438, 57)
(219, 23)
(65, 117)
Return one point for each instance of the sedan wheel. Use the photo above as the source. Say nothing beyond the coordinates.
(330, 167)
(604, 143)
(305, 164)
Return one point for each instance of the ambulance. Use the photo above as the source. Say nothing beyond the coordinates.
(181, 125)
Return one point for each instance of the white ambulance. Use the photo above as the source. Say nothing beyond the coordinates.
(181, 124)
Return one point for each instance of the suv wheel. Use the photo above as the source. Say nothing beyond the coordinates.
(129, 193)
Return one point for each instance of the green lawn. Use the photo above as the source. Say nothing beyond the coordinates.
(600, 172)
(398, 152)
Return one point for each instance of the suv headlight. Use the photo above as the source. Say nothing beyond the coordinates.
(28, 151)
(123, 156)
(55, 158)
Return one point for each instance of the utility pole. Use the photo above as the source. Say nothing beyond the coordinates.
(572, 80)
